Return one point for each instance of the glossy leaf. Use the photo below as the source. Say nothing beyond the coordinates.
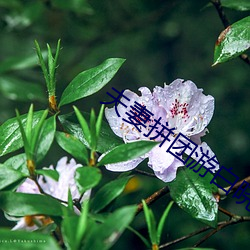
(84, 125)
(19, 90)
(241, 5)
(108, 193)
(73, 146)
(162, 221)
(87, 177)
(53, 174)
(10, 136)
(20, 204)
(8, 176)
(99, 121)
(105, 235)
(194, 195)
(127, 152)
(151, 223)
(16, 240)
(233, 41)
(74, 228)
(18, 162)
(46, 138)
(90, 81)
(107, 138)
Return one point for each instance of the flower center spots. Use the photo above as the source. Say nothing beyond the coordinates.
(179, 109)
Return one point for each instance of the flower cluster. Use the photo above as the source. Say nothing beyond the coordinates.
(58, 189)
(182, 106)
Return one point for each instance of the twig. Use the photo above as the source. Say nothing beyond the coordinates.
(224, 211)
(234, 220)
(204, 229)
(235, 187)
(42, 192)
(144, 173)
(152, 198)
(226, 23)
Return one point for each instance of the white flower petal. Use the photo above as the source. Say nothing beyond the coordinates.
(21, 225)
(28, 186)
(125, 166)
(208, 151)
(163, 163)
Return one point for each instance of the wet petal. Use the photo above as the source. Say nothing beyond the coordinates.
(124, 166)
(188, 109)
(164, 164)
(29, 187)
(204, 148)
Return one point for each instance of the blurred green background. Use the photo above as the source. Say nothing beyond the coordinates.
(161, 41)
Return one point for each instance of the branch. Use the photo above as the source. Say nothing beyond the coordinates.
(235, 220)
(144, 173)
(226, 23)
(152, 198)
(235, 187)
(204, 229)
(221, 225)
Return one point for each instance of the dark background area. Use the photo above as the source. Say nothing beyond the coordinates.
(161, 41)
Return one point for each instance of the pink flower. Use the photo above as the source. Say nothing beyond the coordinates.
(181, 104)
(58, 189)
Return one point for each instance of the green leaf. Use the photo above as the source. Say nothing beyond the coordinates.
(82, 223)
(74, 228)
(10, 136)
(87, 177)
(18, 162)
(108, 193)
(233, 41)
(194, 195)
(151, 223)
(20, 204)
(53, 174)
(105, 235)
(37, 132)
(43, 65)
(90, 81)
(162, 221)
(19, 90)
(46, 137)
(19, 63)
(92, 127)
(69, 230)
(241, 5)
(126, 152)
(84, 125)
(99, 121)
(107, 139)
(73, 146)
(16, 240)
(143, 239)
(8, 176)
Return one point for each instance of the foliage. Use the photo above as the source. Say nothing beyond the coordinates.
(102, 211)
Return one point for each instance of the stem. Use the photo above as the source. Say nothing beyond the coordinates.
(235, 187)
(234, 220)
(226, 23)
(185, 237)
(152, 198)
(144, 173)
